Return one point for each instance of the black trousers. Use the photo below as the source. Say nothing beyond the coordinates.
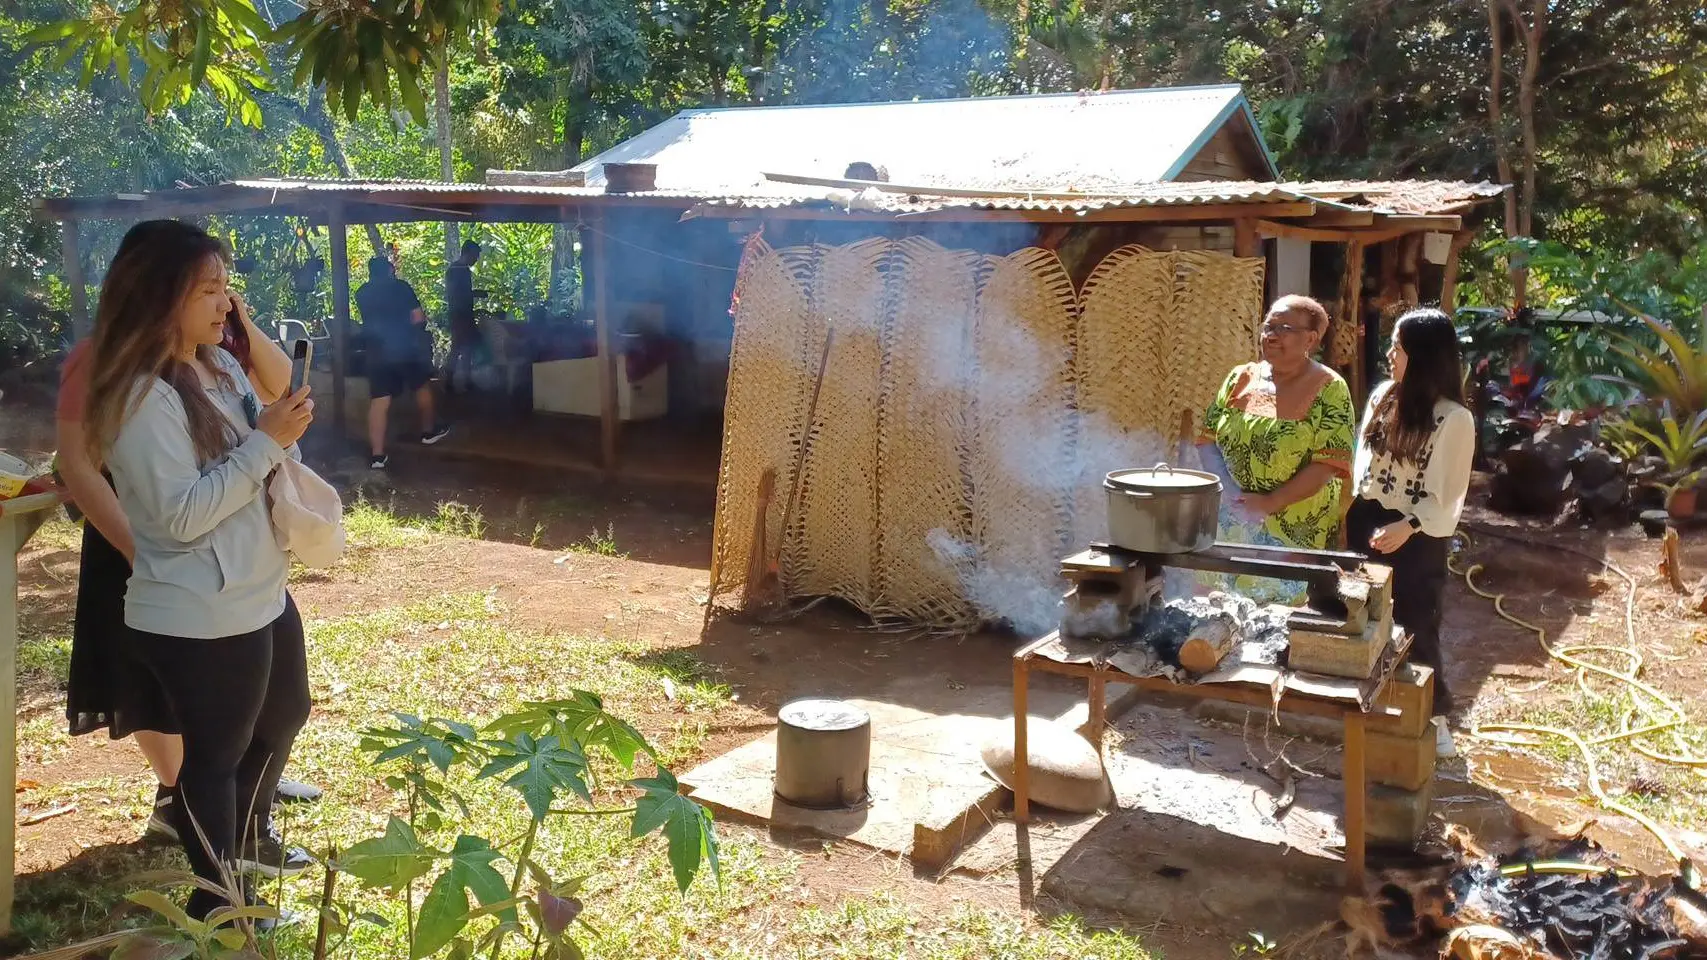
(239, 702)
(1419, 584)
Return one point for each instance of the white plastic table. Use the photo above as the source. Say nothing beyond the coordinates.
(19, 518)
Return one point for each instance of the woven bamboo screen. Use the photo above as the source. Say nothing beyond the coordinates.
(969, 409)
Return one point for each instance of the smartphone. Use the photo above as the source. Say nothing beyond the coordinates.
(301, 357)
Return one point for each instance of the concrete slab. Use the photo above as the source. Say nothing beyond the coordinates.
(930, 794)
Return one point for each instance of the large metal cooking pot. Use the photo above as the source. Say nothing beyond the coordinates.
(1163, 510)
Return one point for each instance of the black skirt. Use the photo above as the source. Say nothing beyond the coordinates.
(107, 687)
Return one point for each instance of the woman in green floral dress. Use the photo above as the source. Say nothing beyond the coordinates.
(1280, 435)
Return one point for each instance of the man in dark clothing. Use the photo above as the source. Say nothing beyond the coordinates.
(459, 306)
(400, 354)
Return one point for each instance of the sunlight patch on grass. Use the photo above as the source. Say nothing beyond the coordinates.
(457, 656)
(45, 657)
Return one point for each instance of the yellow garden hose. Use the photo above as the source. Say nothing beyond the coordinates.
(1667, 718)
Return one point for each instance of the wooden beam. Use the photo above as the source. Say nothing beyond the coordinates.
(1420, 223)
(1291, 231)
(339, 255)
(1246, 243)
(70, 239)
(607, 355)
(1160, 213)
(1352, 299)
(1449, 284)
(1341, 217)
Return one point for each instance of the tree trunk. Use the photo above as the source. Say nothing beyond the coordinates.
(576, 112)
(315, 117)
(1496, 114)
(1532, 38)
(447, 166)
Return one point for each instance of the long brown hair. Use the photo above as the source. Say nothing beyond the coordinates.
(136, 337)
(1403, 421)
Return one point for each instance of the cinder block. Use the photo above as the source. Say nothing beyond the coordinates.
(1412, 692)
(1403, 762)
(1395, 817)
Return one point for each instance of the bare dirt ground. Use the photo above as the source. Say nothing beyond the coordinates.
(583, 558)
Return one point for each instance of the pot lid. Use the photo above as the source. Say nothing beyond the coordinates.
(1163, 477)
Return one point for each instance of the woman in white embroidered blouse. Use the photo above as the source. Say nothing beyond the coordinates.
(1410, 472)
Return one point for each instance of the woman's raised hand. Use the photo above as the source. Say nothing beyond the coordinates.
(287, 419)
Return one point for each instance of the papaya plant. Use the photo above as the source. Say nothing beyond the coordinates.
(544, 754)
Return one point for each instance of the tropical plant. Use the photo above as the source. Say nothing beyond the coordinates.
(1672, 371)
(546, 753)
(1681, 444)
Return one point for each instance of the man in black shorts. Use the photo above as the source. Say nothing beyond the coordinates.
(400, 354)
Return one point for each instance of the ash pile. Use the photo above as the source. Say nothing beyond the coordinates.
(1568, 902)
(1193, 635)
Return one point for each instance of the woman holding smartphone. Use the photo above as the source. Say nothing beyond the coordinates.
(190, 448)
(107, 687)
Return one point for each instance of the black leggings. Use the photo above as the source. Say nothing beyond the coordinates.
(1419, 583)
(239, 702)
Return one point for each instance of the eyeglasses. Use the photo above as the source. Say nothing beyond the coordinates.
(1282, 329)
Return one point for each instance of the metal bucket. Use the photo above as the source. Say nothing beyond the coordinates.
(823, 754)
(1163, 510)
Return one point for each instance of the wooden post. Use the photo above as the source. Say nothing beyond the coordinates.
(608, 425)
(338, 242)
(1022, 758)
(71, 239)
(1356, 801)
(10, 544)
(1351, 299)
(1449, 283)
(18, 518)
(1245, 240)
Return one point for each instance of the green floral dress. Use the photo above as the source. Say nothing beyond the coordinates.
(1263, 450)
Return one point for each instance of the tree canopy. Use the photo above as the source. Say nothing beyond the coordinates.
(1590, 107)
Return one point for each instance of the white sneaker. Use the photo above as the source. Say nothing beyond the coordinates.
(1443, 745)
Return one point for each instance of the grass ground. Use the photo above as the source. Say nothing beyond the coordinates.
(470, 654)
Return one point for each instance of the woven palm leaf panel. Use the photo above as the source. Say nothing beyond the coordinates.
(1217, 306)
(1125, 347)
(832, 549)
(969, 409)
(763, 408)
(923, 429)
(1020, 466)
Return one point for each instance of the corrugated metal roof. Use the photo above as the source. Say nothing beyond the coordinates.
(1050, 142)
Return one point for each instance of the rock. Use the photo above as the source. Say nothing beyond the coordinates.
(1066, 772)
(1594, 467)
(1607, 502)
(1532, 478)
(1654, 522)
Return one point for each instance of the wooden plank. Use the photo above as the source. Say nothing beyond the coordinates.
(607, 355)
(1291, 231)
(339, 254)
(1342, 217)
(70, 238)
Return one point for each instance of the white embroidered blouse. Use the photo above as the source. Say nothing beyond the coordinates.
(1433, 488)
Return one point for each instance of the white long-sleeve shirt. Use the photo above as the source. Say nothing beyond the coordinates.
(207, 565)
(1433, 488)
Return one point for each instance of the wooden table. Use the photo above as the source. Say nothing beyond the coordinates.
(19, 518)
(1349, 700)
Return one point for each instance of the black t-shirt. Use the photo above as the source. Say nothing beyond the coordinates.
(386, 306)
(459, 293)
